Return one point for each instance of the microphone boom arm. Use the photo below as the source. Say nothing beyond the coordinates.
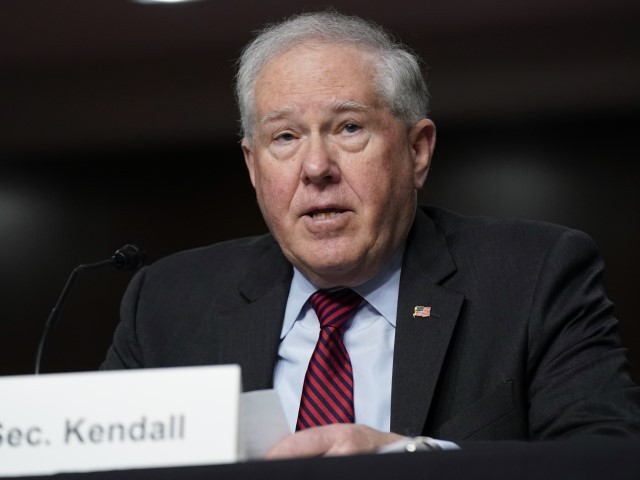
(128, 257)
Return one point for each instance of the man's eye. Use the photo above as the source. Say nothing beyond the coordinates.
(351, 128)
(284, 137)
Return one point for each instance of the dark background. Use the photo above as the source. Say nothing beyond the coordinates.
(117, 125)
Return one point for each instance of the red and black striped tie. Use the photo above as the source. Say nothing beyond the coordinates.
(327, 393)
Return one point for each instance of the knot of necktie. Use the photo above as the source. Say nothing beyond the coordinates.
(335, 307)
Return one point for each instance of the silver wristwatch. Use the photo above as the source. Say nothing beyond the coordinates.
(421, 444)
(415, 444)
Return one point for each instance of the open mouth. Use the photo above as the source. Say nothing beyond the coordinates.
(324, 214)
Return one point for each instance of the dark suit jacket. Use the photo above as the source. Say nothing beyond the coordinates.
(521, 343)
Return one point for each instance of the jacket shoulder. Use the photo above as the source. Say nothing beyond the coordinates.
(223, 253)
(514, 232)
(214, 267)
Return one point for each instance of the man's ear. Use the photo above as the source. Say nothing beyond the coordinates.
(249, 160)
(423, 140)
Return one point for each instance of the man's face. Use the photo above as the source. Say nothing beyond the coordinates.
(335, 173)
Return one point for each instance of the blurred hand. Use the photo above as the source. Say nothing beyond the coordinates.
(331, 440)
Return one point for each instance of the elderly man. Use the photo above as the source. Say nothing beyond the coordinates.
(375, 320)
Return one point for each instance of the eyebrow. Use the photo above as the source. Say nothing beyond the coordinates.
(336, 105)
(349, 105)
(276, 114)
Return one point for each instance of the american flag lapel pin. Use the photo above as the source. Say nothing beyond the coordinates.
(420, 311)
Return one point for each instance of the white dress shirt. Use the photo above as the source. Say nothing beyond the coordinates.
(369, 339)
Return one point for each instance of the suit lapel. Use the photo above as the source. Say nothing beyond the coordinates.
(252, 330)
(264, 318)
(421, 343)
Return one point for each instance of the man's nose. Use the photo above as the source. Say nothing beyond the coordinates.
(319, 163)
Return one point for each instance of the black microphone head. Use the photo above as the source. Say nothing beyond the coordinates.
(129, 257)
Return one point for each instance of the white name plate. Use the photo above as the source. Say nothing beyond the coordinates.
(110, 420)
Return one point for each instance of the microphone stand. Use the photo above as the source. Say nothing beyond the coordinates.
(128, 257)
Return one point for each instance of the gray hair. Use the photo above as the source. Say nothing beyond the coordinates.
(399, 80)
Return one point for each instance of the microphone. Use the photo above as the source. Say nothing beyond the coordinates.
(128, 257)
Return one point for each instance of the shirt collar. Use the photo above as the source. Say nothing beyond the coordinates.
(381, 292)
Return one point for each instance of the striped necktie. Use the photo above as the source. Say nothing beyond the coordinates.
(327, 392)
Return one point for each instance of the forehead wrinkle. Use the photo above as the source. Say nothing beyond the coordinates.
(276, 114)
